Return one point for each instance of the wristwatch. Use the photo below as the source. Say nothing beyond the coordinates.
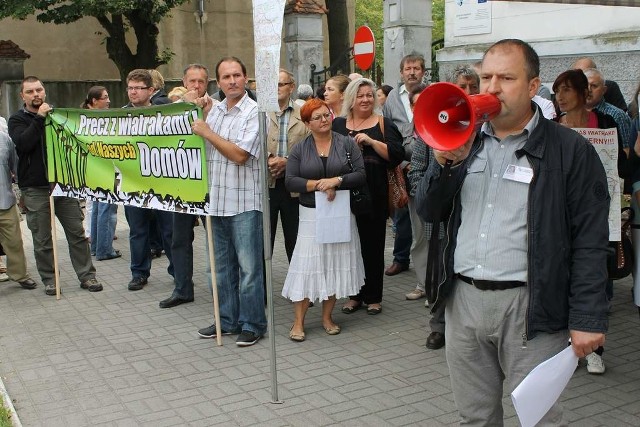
(339, 181)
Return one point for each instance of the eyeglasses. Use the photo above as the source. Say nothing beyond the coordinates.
(284, 84)
(104, 97)
(326, 116)
(136, 88)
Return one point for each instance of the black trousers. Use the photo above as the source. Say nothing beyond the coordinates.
(280, 201)
(372, 229)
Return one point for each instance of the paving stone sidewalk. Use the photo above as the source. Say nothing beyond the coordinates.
(114, 358)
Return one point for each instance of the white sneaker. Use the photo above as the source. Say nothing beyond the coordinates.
(415, 294)
(426, 303)
(595, 364)
(3, 277)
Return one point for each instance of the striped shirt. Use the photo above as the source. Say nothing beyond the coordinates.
(234, 188)
(492, 239)
(622, 119)
(283, 117)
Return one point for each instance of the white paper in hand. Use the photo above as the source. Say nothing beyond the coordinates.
(333, 219)
(537, 393)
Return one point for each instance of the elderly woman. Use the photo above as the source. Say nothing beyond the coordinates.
(334, 93)
(177, 93)
(381, 145)
(102, 225)
(323, 162)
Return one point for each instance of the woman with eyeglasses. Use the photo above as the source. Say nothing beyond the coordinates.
(381, 145)
(103, 216)
(324, 162)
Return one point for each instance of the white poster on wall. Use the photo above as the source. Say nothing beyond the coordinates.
(471, 17)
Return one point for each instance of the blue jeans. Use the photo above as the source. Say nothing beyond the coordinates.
(103, 227)
(182, 254)
(238, 248)
(139, 220)
(402, 243)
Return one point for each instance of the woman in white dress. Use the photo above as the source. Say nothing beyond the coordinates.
(324, 162)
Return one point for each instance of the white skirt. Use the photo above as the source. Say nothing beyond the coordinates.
(320, 270)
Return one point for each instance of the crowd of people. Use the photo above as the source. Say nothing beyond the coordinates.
(521, 209)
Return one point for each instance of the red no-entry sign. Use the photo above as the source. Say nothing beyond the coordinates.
(364, 50)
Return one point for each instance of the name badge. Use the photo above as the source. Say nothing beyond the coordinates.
(518, 173)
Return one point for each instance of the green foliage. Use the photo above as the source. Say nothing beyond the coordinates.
(117, 17)
(5, 415)
(67, 11)
(437, 36)
(437, 16)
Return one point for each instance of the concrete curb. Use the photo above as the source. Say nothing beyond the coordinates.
(6, 400)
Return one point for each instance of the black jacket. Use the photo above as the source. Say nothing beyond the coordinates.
(567, 226)
(160, 98)
(27, 132)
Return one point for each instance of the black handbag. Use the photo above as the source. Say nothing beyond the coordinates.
(620, 262)
(360, 197)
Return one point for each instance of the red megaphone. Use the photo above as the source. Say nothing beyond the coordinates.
(445, 116)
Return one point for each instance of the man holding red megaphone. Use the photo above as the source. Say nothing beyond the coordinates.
(525, 201)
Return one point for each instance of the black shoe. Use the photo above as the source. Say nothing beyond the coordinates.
(247, 338)
(28, 284)
(173, 301)
(210, 332)
(92, 285)
(50, 289)
(435, 340)
(137, 283)
(156, 253)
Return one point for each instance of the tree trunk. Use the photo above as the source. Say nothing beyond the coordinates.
(146, 55)
(339, 43)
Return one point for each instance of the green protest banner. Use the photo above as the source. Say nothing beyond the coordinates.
(146, 157)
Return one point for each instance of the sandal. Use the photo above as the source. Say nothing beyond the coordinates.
(374, 310)
(351, 307)
(333, 330)
(296, 337)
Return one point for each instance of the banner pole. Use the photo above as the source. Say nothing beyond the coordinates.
(214, 284)
(54, 242)
(266, 233)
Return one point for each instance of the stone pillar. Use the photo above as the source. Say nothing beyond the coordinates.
(407, 29)
(303, 45)
(11, 68)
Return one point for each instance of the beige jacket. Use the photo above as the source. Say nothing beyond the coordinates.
(296, 132)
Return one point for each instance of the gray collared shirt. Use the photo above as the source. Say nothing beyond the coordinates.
(8, 163)
(492, 239)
